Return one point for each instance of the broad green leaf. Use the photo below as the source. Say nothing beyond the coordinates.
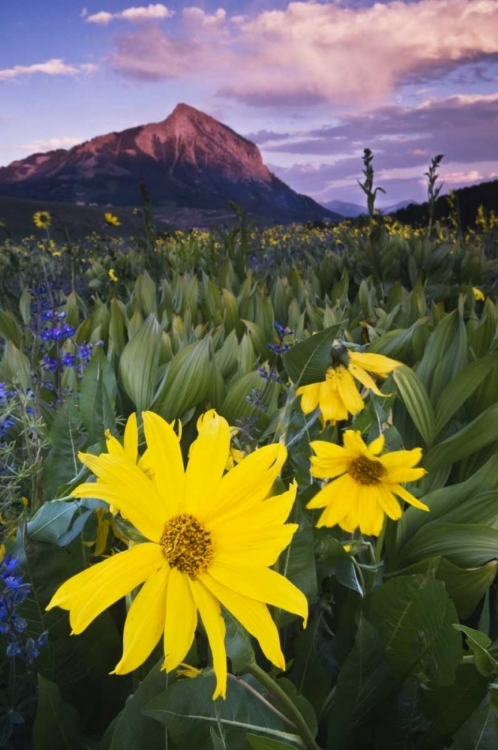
(188, 711)
(237, 404)
(471, 438)
(414, 618)
(56, 722)
(97, 413)
(467, 545)
(478, 643)
(145, 293)
(138, 364)
(58, 522)
(308, 360)
(186, 383)
(67, 437)
(417, 402)
(15, 367)
(461, 387)
(396, 344)
(265, 743)
(10, 329)
(480, 731)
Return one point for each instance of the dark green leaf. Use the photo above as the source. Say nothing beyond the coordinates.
(307, 361)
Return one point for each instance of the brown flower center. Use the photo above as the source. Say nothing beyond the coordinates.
(187, 545)
(366, 471)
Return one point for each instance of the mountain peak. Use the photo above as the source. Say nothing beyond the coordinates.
(189, 159)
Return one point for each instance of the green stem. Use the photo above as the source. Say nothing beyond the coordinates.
(380, 544)
(286, 704)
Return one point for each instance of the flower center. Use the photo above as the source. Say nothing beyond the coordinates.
(366, 471)
(335, 371)
(187, 545)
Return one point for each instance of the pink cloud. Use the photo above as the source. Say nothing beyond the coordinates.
(153, 12)
(54, 67)
(313, 52)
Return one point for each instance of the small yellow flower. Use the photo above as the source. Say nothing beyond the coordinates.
(56, 254)
(478, 294)
(337, 396)
(112, 275)
(364, 483)
(212, 538)
(112, 220)
(42, 219)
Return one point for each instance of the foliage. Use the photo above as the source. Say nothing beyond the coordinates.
(401, 649)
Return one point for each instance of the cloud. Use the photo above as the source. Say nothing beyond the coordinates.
(314, 52)
(54, 67)
(50, 144)
(403, 141)
(152, 12)
(149, 55)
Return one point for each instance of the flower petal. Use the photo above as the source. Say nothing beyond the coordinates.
(164, 459)
(376, 363)
(208, 457)
(271, 512)
(264, 585)
(310, 397)
(402, 459)
(133, 492)
(131, 438)
(408, 497)
(403, 474)
(377, 446)
(354, 443)
(253, 616)
(331, 405)
(181, 619)
(89, 593)
(337, 489)
(212, 619)
(370, 513)
(389, 503)
(364, 378)
(145, 622)
(246, 550)
(249, 482)
(348, 392)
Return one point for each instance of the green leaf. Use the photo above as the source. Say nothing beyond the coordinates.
(66, 439)
(417, 402)
(58, 522)
(414, 618)
(236, 406)
(97, 413)
(138, 364)
(482, 431)
(132, 730)
(265, 743)
(188, 711)
(56, 722)
(479, 643)
(186, 383)
(479, 731)
(461, 387)
(467, 545)
(145, 293)
(307, 361)
(16, 368)
(396, 344)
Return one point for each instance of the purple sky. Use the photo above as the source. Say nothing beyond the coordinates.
(312, 83)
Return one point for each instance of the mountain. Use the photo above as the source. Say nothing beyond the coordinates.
(468, 200)
(398, 206)
(349, 210)
(187, 160)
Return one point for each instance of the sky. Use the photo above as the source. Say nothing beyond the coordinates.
(312, 83)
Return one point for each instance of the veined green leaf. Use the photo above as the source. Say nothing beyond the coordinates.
(308, 360)
(138, 364)
(471, 438)
(417, 402)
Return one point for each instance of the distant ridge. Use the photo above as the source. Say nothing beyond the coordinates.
(188, 160)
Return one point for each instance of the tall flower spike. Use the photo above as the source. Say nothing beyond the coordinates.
(213, 537)
(364, 484)
(337, 396)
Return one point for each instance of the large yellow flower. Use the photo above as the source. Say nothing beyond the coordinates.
(42, 219)
(337, 396)
(212, 537)
(365, 483)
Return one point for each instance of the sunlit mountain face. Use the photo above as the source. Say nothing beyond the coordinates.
(310, 83)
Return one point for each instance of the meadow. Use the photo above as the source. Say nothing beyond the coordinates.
(289, 437)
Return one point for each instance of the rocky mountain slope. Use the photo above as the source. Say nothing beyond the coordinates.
(188, 160)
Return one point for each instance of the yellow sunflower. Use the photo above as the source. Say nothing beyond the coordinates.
(212, 539)
(337, 396)
(365, 483)
(112, 220)
(42, 219)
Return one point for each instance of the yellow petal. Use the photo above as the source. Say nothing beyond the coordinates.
(408, 497)
(328, 468)
(376, 363)
(253, 616)
(144, 623)
(210, 612)
(401, 459)
(181, 619)
(388, 502)
(133, 493)
(370, 513)
(271, 512)
(208, 457)
(338, 488)
(264, 550)
(89, 593)
(131, 438)
(348, 393)
(324, 449)
(403, 474)
(262, 584)
(364, 378)
(164, 459)
(377, 446)
(310, 395)
(354, 443)
(249, 482)
(331, 405)
(113, 445)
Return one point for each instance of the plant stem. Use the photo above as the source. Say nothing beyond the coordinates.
(286, 704)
